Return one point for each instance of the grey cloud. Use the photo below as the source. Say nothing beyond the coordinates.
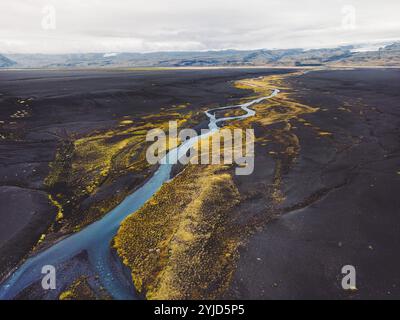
(152, 25)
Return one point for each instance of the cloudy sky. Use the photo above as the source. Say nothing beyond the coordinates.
(64, 26)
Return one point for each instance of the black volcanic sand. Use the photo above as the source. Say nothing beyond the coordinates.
(39, 110)
(342, 204)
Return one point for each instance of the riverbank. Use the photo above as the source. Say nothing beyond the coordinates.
(184, 243)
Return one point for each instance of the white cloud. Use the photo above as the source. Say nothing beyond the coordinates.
(152, 25)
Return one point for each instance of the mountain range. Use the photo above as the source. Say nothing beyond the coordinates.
(387, 55)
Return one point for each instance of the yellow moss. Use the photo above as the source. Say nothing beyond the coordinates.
(124, 122)
(41, 239)
(66, 295)
(82, 165)
(324, 133)
(177, 246)
(162, 243)
(281, 108)
(60, 214)
(140, 132)
(80, 290)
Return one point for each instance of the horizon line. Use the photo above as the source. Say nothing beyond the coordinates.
(307, 48)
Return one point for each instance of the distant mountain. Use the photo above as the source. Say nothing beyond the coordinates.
(341, 56)
(392, 47)
(6, 62)
(386, 56)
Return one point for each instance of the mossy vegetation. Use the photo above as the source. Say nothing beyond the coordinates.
(281, 108)
(60, 214)
(81, 289)
(179, 245)
(89, 174)
(275, 120)
(182, 244)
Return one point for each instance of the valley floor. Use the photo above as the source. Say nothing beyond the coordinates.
(323, 193)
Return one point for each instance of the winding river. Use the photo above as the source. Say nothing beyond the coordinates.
(95, 239)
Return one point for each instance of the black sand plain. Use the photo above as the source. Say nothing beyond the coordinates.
(340, 207)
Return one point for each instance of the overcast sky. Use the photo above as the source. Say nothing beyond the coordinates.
(63, 26)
